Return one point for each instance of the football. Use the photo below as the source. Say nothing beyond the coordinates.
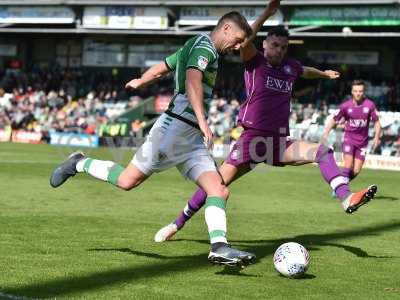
(291, 260)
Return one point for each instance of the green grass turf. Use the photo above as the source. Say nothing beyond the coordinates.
(89, 240)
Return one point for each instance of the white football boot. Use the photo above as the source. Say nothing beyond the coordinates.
(166, 233)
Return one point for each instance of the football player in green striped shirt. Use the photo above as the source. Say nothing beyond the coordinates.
(181, 136)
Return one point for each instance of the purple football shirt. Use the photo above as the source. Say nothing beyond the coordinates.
(357, 118)
(269, 91)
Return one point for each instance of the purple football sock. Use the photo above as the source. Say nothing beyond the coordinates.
(347, 172)
(331, 172)
(194, 204)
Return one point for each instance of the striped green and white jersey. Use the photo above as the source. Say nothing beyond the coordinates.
(198, 52)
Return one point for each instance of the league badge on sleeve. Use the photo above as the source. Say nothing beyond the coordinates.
(202, 62)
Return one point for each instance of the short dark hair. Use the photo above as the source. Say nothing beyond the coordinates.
(279, 31)
(238, 19)
(358, 82)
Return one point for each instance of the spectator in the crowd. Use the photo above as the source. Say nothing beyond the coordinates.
(136, 126)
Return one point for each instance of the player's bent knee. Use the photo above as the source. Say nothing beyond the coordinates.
(225, 193)
(221, 191)
(127, 184)
(322, 153)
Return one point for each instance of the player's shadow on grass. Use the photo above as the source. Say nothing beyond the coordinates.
(383, 197)
(73, 285)
(302, 239)
(138, 253)
(311, 241)
(229, 271)
(356, 251)
(205, 242)
(225, 271)
(303, 277)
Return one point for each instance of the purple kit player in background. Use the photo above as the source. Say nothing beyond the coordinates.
(269, 79)
(357, 113)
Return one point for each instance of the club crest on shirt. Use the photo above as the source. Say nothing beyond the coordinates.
(350, 110)
(365, 110)
(287, 69)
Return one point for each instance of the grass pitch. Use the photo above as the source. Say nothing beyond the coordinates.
(89, 240)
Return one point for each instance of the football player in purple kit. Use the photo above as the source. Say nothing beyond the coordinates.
(269, 78)
(357, 113)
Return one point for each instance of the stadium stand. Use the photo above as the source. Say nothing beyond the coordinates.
(35, 103)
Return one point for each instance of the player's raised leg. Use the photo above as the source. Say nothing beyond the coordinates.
(323, 155)
(348, 161)
(108, 171)
(229, 174)
(353, 159)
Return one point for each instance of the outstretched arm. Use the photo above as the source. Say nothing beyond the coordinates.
(247, 49)
(377, 137)
(313, 73)
(149, 76)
